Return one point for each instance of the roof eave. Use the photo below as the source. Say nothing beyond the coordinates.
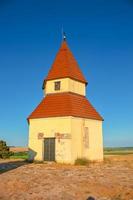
(29, 118)
(60, 77)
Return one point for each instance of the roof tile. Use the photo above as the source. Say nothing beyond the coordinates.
(65, 66)
(65, 104)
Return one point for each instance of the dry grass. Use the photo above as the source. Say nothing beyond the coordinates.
(111, 180)
(18, 149)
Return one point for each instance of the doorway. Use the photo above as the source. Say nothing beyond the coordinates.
(49, 149)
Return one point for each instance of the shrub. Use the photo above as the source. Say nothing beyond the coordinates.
(19, 155)
(4, 150)
(81, 161)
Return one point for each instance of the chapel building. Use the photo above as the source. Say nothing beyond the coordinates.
(65, 126)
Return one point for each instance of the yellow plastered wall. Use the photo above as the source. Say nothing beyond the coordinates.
(94, 138)
(67, 85)
(49, 127)
(67, 150)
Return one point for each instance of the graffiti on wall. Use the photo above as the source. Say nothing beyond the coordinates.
(60, 136)
(40, 136)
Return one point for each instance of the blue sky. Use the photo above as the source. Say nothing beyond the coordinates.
(99, 33)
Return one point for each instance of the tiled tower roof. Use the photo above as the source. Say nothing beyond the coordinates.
(65, 66)
(65, 104)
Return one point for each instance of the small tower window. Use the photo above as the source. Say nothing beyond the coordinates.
(57, 85)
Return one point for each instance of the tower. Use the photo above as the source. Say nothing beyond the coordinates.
(65, 126)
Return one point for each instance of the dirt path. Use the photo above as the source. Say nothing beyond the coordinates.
(111, 180)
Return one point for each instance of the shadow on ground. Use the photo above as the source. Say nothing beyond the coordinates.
(10, 165)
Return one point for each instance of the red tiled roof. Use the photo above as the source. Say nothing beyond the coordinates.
(65, 66)
(65, 104)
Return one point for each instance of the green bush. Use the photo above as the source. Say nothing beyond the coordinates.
(19, 155)
(4, 150)
(81, 161)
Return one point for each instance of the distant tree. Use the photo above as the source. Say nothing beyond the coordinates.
(4, 150)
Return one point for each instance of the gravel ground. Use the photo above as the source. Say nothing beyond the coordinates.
(110, 180)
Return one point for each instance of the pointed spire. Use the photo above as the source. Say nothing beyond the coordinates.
(65, 65)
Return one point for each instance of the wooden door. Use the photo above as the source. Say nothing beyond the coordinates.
(49, 149)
